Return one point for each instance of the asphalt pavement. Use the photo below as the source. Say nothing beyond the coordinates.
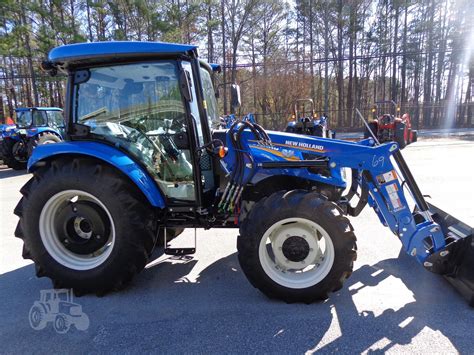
(204, 304)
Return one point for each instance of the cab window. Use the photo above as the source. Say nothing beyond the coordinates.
(210, 98)
(39, 118)
(138, 108)
(24, 119)
(55, 119)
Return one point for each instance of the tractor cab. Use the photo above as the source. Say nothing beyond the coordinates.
(154, 101)
(30, 117)
(55, 296)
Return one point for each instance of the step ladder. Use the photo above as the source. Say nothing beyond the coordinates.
(180, 251)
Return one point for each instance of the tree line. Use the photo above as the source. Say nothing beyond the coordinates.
(342, 54)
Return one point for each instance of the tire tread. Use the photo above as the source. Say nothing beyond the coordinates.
(296, 203)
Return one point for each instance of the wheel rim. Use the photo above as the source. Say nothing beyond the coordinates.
(61, 324)
(77, 229)
(49, 141)
(296, 253)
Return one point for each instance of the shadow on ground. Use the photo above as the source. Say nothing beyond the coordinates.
(6, 172)
(221, 312)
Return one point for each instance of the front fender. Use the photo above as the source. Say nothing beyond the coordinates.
(110, 155)
(13, 134)
(33, 132)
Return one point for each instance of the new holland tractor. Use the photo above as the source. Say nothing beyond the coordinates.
(304, 120)
(34, 126)
(141, 156)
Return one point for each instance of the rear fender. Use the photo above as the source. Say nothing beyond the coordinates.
(138, 175)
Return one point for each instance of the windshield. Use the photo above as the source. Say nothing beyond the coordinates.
(138, 107)
(210, 97)
(24, 119)
(55, 119)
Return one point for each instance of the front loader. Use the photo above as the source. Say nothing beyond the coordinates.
(141, 157)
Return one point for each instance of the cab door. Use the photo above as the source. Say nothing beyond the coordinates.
(140, 107)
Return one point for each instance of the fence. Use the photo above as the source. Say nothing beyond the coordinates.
(428, 115)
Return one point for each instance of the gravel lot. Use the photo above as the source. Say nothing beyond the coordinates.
(204, 304)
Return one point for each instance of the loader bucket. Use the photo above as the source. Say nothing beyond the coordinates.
(456, 261)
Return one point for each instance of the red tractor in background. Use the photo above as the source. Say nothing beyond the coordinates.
(388, 127)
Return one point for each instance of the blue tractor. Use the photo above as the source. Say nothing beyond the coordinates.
(141, 157)
(34, 126)
(305, 121)
(4, 131)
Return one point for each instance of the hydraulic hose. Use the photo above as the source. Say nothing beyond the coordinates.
(235, 186)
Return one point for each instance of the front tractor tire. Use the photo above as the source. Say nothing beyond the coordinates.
(42, 138)
(373, 126)
(401, 134)
(84, 225)
(296, 246)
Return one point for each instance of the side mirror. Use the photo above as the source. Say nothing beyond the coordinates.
(235, 96)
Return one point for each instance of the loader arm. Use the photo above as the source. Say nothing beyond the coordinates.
(438, 241)
(380, 171)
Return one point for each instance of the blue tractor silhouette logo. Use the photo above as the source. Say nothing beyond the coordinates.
(57, 306)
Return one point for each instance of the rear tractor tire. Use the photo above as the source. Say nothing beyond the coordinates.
(84, 225)
(37, 317)
(42, 138)
(298, 252)
(13, 156)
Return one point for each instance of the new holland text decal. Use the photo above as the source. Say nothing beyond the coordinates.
(304, 145)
